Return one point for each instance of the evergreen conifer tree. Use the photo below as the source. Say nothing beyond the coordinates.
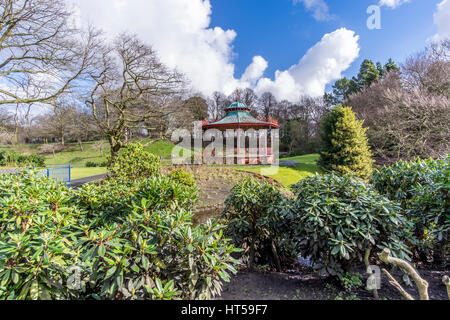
(345, 147)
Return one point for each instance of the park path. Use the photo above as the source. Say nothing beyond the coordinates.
(79, 182)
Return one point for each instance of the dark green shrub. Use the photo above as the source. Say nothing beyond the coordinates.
(129, 255)
(399, 180)
(13, 158)
(183, 177)
(140, 233)
(345, 148)
(96, 164)
(112, 241)
(37, 238)
(115, 197)
(258, 221)
(134, 163)
(422, 189)
(338, 218)
(34, 160)
(8, 158)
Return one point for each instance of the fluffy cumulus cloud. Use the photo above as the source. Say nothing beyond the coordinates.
(393, 3)
(180, 32)
(442, 20)
(254, 71)
(323, 63)
(319, 8)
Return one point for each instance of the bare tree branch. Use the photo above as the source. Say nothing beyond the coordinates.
(130, 89)
(41, 56)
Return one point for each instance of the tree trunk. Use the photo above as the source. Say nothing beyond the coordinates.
(115, 148)
(114, 152)
(446, 281)
(16, 135)
(126, 135)
(252, 245)
(276, 257)
(421, 284)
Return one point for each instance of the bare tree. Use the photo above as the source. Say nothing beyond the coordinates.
(216, 105)
(197, 107)
(173, 115)
(282, 112)
(429, 70)
(246, 96)
(50, 148)
(249, 97)
(60, 120)
(131, 79)
(99, 145)
(6, 120)
(81, 126)
(56, 123)
(300, 129)
(237, 95)
(6, 124)
(268, 104)
(403, 123)
(21, 122)
(41, 56)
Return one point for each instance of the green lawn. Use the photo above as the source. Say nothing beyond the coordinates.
(73, 155)
(160, 148)
(78, 173)
(307, 165)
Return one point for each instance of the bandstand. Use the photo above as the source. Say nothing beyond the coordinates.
(243, 126)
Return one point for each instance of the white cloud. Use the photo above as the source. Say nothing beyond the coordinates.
(323, 63)
(180, 32)
(442, 20)
(319, 9)
(254, 71)
(393, 3)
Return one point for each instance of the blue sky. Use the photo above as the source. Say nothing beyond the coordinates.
(288, 47)
(282, 32)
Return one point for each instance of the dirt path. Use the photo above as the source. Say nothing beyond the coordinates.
(215, 184)
(307, 285)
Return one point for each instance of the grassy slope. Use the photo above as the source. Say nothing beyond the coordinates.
(73, 155)
(160, 148)
(81, 172)
(307, 165)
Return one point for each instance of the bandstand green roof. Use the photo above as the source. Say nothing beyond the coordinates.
(237, 105)
(238, 114)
